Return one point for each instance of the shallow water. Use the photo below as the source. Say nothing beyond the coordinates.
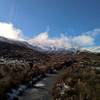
(41, 90)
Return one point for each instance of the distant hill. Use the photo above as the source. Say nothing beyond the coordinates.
(18, 49)
(95, 49)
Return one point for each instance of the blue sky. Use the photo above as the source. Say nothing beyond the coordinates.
(71, 17)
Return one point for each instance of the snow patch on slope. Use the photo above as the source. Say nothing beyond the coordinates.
(95, 49)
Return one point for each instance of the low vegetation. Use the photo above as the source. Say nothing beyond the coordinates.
(80, 81)
(14, 72)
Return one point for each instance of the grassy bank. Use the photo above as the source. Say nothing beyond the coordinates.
(81, 81)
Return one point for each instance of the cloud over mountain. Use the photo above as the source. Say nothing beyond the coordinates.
(85, 39)
(63, 41)
(44, 40)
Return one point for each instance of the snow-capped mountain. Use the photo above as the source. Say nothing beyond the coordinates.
(18, 49)
(39, 48)
(51, 48)
(19, 43)
(95, 49)
(10, 41)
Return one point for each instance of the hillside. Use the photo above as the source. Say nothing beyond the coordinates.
(19, 62)
(81, 80)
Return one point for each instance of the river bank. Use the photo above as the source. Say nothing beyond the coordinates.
(37, 90)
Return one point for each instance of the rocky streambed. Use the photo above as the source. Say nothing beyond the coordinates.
(39, 88)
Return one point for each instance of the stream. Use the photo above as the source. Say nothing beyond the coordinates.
(41, 90)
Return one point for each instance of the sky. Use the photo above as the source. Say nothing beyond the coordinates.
(51, 21)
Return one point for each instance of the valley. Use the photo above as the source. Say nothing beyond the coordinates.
(28, 72)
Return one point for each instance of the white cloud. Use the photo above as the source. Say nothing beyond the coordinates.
(64, 41)
(9, 31)
(86, 39)
(44, 40)
(83, 40)
(94, 32)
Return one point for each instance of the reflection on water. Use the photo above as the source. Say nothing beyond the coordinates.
(40, 84)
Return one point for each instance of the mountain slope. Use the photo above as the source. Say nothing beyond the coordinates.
(95, 49)
(18, 49)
